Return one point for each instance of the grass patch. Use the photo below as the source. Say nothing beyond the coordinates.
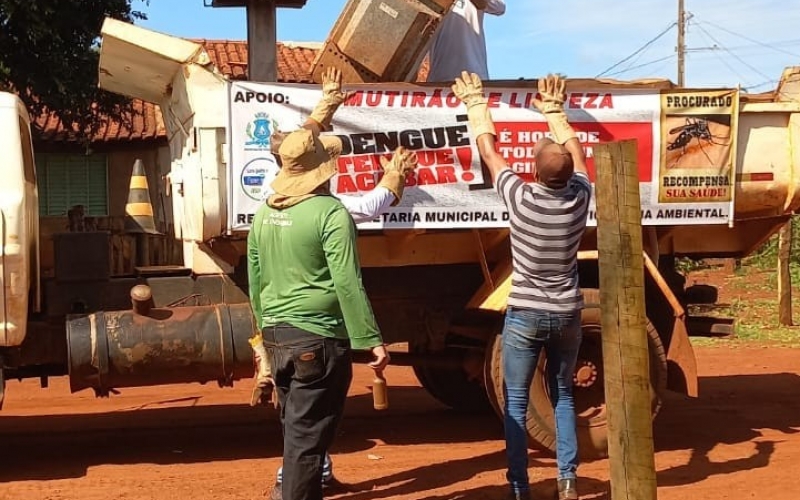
(753, 302)
(685, 265)
(757, 321)
(750, 294)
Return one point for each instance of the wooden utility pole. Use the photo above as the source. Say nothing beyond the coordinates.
(681, 43)
(784, 276)
(262, 52)
(626, 356)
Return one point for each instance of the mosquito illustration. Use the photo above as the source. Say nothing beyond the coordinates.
(695, 128)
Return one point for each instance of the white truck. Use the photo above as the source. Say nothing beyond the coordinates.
(719, 177)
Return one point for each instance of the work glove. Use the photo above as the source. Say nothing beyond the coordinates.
(332, 98)
(396, 170)
(263, 384)
(469, 89)
(552, 91)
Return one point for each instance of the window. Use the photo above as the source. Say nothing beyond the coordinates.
(69, 180)
(27, 153)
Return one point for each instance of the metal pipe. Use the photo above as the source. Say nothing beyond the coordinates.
(108, 350)
(141, 299)
(149, 346)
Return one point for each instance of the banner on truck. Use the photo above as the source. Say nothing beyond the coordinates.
(451, 189)
(699, 149)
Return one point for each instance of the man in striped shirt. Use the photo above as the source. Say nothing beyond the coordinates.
(548, 219)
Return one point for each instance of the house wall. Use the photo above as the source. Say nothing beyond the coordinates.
(120, 160)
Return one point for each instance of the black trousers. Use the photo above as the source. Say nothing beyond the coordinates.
(312, 376)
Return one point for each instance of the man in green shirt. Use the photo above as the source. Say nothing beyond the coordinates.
(308, 297)
(369, 206)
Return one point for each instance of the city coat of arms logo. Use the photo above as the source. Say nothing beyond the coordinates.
(259, 132)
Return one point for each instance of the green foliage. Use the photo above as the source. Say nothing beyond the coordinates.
(686, 265)
(49, 56)
(767, 256)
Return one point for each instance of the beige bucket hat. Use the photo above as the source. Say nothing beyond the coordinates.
(307, 162)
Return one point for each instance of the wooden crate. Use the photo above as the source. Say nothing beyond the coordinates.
(380, 40)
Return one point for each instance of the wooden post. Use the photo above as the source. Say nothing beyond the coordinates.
(784, 276)
(626, 356)
(262, 52)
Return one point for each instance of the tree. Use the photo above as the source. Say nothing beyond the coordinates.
(49, 52)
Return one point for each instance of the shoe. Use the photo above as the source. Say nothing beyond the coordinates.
(327, 478)
(329, 483)
(277, 493)
(332, 486)
(568, 489)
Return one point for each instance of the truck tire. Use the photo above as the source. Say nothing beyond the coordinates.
(453, 387)
(589, 400)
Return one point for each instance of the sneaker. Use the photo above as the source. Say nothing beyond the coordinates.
(277, 493)
(568, 489)
(326, 482)
(519, 495)
(327, 472)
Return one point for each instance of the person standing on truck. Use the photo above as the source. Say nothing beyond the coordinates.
(459, 43)
(387, 193)
(548, 219)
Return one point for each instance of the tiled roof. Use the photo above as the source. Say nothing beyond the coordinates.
(147, 124)
(230, 57)
(294, 59)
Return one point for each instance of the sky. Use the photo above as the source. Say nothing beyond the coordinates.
(730, 42)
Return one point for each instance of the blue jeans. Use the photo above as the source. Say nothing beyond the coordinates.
(525, 333)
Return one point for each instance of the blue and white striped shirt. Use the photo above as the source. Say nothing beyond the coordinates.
(547, 226)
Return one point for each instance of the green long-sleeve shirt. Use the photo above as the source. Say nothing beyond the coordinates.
(304, 270)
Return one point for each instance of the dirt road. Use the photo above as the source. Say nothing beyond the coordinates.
(739, 440)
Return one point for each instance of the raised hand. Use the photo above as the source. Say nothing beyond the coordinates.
(552, 90)
(396, 170)
(469, 89)
(403, 161)
(332, 98)
(332, 85)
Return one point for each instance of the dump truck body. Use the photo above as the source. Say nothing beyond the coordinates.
(437, 266)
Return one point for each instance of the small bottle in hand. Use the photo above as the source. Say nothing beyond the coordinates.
(380, 398)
